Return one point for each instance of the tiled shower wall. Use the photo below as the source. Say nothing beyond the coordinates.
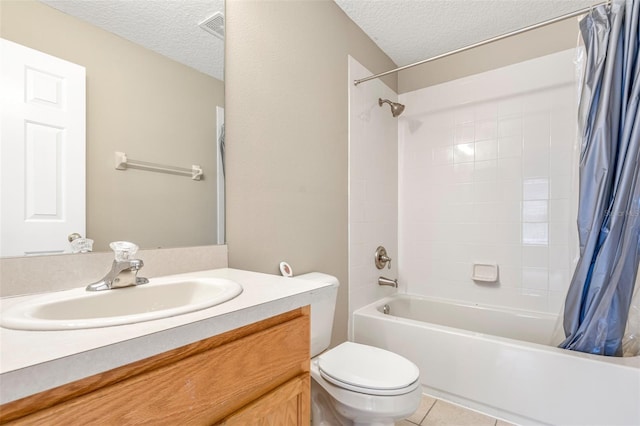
(373, 187)
(487, 171)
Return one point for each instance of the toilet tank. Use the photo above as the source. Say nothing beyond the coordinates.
(323, 306)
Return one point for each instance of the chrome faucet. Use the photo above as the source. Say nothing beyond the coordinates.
(122, 274)
(387, 281)
(124, 271)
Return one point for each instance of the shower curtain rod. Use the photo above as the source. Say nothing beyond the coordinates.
(481, 43)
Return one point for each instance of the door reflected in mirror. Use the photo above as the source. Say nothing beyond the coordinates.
(167, 110)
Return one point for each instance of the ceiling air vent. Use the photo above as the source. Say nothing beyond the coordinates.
(214, 24)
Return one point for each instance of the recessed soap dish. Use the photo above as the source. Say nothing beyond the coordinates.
(485, 272)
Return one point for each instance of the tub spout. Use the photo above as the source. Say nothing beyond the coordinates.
(388, 281)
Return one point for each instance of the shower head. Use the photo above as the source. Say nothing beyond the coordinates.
(396, 108)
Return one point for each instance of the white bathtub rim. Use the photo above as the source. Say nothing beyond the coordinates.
(501, 308)
(457, 378)
(371, 310)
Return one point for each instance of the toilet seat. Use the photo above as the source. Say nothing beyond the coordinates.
(369, 370)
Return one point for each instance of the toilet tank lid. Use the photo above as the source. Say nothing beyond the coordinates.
(319, 277)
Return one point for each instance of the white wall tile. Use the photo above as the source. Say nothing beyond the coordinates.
(556, 301)
(559, 233)
(535, 164)
(510, 276)
(481, 233)
(559, 280)
(439, 135)
(373, 183)
(509, 255)
(560, 186)
(464, 133)
(559, 130)
(535, 278)
(487, 111)
(535, 211)
(509, 190)
(357, 211)
(492, 183)
(486, 129)
(463, 172)
(535, 233)
(559, 210)
(458, 212)
(561, 161)
(535, 189)
(535, 256)
(463, 152)
(508, 211)
(509, 233)
(486, 150)
(509, 146)
(510, 127)
(538, 101)
(510, 106)
(559, 256)
(483, 213)
(464, 115)
(485, 192)
(485, 170)
(509, 169)
(442, 155)
(535, 132)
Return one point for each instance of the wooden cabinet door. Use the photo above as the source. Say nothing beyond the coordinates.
(257, 374)
(287, 405)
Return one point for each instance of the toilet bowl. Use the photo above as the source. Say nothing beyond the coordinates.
(355, 384)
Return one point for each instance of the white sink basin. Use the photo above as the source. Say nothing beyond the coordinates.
(78, 308)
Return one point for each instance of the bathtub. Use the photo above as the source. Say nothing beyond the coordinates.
(497, 361)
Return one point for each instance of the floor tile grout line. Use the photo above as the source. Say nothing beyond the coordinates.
(435, 401)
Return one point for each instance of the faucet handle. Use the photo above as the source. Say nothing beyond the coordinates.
(381, 258)
(136, 264)
(123, 250)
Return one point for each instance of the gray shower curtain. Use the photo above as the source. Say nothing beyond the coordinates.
(599, 296)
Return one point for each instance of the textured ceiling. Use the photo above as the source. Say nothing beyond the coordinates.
(412, 30)
(406, 30)
(168, 27)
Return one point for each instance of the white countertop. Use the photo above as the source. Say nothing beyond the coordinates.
(34, 361)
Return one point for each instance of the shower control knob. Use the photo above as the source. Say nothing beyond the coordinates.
(381, 258)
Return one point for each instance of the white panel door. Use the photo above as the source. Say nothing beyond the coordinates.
(42, 151)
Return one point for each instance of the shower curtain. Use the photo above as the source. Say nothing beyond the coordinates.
(599, 296)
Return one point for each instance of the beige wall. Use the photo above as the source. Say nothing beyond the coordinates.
(287, 117)
(146, 105)
(531, 44)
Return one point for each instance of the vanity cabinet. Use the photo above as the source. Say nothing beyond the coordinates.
(257, 374)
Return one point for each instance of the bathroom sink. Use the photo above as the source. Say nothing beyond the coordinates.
(78, 308)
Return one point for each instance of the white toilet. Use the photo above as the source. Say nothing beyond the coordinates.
(355, 384)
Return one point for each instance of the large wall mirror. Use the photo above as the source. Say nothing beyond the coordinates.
(154, 91)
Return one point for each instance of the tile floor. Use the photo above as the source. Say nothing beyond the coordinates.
(435, 412)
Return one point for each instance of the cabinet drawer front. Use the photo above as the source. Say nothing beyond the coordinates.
(202, 388)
